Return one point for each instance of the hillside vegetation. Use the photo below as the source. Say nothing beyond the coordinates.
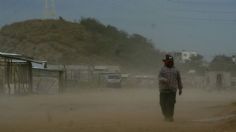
(84, 42)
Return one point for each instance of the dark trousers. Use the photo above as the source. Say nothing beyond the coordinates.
(167, 102)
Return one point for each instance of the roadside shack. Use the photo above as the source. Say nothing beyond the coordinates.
(22, 75)
(16, 74)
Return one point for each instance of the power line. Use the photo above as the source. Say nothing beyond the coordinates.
(203, 2)
(207, 11)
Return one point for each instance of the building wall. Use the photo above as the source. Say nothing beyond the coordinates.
(45, 85)
(47, 81)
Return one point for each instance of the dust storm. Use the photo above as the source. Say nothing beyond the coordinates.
(121, 110)
(117, 66)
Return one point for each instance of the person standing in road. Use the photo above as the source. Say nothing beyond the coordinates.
(169, 83)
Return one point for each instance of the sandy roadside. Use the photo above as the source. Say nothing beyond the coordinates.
(115, 110)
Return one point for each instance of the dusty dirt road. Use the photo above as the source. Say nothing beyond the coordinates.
(116, 110)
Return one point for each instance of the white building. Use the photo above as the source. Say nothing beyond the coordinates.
(184, 56)
(234, 58)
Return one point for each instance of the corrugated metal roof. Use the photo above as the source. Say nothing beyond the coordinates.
(19, 57)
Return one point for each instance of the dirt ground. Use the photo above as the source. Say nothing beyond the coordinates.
(117, 110)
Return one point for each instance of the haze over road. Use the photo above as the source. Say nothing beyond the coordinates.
(117, 110)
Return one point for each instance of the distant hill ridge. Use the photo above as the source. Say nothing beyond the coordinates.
(85, 42)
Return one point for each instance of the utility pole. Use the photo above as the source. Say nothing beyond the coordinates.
(49, 9)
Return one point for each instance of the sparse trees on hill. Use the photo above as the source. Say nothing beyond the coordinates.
(63, 42)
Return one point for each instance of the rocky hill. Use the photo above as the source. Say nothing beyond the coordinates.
(85, 42)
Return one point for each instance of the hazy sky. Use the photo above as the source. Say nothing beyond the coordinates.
(205, 26)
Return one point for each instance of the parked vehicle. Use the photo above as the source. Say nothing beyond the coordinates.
(113, 80)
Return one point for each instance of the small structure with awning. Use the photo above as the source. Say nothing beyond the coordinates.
(17, 71)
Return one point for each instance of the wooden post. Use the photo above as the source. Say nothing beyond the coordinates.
(8, 75)
(61, 82)
(30, 77)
